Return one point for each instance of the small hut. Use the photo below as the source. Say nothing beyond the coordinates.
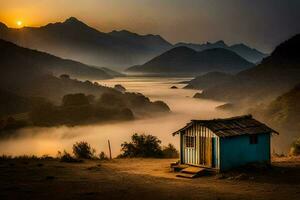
(223, 144)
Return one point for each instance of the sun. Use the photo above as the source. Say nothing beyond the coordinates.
(19, 23)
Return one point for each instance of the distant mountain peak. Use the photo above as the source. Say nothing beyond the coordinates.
(72, 20)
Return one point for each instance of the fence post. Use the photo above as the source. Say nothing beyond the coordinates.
(109, 149)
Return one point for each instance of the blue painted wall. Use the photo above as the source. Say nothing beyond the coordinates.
(237, 151)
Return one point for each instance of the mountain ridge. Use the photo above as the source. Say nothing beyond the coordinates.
(76, 40)
(243, 50)
(73, 39)
(185, 60)
(275, 75)
(15, 56)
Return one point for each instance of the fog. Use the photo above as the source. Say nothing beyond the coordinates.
(41, 141)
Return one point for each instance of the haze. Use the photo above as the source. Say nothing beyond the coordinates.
(253, 22)
(184, 108)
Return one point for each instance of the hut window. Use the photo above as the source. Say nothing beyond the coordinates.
(189, 141)
(253, 139)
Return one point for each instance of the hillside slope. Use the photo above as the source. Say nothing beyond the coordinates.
(277, 74)
(208, 80)
(284, 110)
(16, 60)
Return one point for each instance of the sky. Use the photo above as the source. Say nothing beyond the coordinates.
(263, 24)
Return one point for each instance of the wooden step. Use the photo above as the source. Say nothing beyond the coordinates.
(183, 175)
(192, 170)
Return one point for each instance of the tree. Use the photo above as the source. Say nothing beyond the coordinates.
(142, 146)
(64, 76)
(83, 150)
(170, 151)
(295, 148)
(75, 100)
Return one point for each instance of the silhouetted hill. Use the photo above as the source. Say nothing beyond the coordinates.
(53, 89)
(18, 61)
(208, 80)
(11, 103)
(282, 113)
(184, 60)
(75, 40)
(284, 110)
(27, 74)
(250, 54)
(276, 74)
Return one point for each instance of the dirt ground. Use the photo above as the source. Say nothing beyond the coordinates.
(142, 179)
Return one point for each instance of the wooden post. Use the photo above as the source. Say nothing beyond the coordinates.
(109, 149)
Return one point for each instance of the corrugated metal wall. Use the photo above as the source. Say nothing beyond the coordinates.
(201, 153)
(237, 151)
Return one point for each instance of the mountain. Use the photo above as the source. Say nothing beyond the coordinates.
(16, 60)
(282, 113)
(284, 110)
(276, 74)
(29, 77)
(250, 54)
(208, 80)
(202, 47)
(11, 103)
(184, 60)
(75, 40)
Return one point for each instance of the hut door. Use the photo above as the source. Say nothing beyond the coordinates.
(214, 152)
(205, 151)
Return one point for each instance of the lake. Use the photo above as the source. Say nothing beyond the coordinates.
(41, 141)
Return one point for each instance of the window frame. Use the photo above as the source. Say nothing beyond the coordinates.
(190, 141)
(253, 139)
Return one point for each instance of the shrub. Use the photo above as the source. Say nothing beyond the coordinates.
(295, 148)
(83, 150)
(142, 146)
(170, 151)
(103, 156)
(66, 157)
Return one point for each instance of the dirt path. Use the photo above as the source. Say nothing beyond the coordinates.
(140, 179)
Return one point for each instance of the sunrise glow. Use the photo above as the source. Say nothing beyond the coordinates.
(19, 23)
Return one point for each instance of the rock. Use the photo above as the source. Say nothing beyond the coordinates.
(174, 87)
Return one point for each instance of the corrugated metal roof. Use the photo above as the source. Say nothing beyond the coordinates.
(241, 125)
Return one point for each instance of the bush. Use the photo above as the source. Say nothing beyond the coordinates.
(295, 148)
(142, 146)
(170, 151)
(66, 157)
(103, 156)
(83, 150)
